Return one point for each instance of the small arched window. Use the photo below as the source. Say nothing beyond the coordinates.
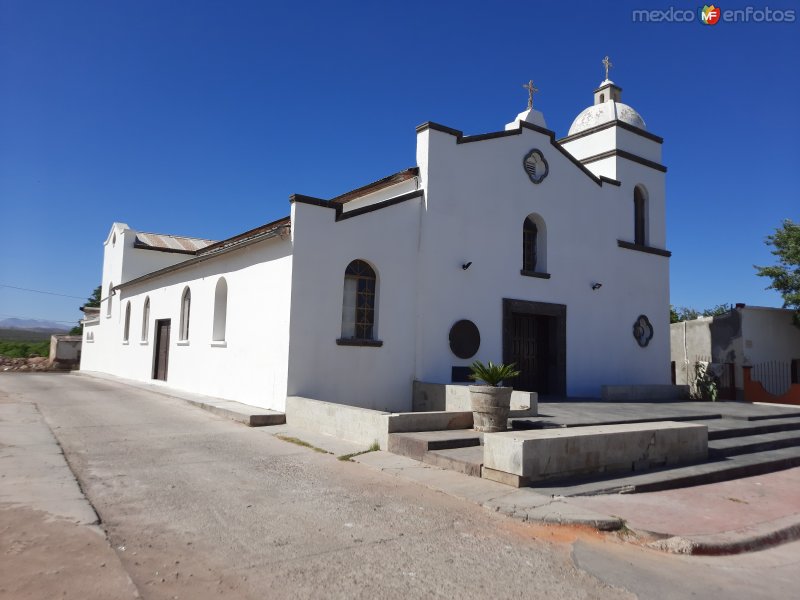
(220, 310)
(358, 304)
(639, 215)
(602, 97)
(530, 240)
(186, 305)
(126, 332)
(108, 300)
(146, 319)
(534, 246)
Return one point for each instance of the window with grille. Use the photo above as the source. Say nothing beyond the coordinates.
(530, 234)
(358, 304)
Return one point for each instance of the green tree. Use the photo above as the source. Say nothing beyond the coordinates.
(91, 301)
(786, 274)
(683, 313)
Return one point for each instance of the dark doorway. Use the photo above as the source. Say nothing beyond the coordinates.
(534, 338)
(161, 350)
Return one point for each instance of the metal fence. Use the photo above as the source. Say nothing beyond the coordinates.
(774, 375)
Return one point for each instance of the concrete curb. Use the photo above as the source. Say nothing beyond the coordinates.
(252, 416)
(749, 539)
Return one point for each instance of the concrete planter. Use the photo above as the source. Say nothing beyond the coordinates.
(490, 406)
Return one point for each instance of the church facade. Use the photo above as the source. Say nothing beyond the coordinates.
(511, 246)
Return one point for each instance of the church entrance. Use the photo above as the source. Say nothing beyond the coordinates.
(534, 338)
(161, 349)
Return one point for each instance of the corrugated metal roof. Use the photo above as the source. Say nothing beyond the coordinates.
(259, 231)
(170, 243)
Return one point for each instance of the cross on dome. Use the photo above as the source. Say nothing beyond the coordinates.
(532, 89)
(607, 64)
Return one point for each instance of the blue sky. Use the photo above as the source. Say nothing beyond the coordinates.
(200, 118)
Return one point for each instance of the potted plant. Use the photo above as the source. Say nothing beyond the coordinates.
(491, 402)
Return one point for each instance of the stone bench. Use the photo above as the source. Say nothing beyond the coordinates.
(520, 457)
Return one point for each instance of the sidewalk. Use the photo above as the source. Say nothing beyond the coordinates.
(50, 539)
(720, 518)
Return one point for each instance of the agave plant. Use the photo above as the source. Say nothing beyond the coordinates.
(492, 374)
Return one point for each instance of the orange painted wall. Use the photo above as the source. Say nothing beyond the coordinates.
(755, 392)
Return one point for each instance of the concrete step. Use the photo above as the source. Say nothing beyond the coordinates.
(734, 467)
(775, 413)
(416, 444)
(543, 422)
(749, 444)
(719, 429)
(468, 460)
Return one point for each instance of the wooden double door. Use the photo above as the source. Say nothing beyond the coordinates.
(534, 338)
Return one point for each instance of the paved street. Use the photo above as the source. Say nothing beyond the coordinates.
(196, 506)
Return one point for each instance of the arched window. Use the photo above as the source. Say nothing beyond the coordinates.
(530, 234)
(640, 215)
(146, 318)
(534, 245)
(602, 97)
(126, 332)
(358, 304)
(108, 305)
(220, 310)
(186, 304)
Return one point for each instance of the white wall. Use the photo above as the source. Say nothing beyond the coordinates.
(370, 377)
(251, 366)
(768, 334)
(478, 196)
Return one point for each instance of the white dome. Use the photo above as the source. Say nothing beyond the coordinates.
(605, 112)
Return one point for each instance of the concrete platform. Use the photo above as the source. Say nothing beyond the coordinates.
(522, 457)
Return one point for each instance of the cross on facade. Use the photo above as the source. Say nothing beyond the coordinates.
(531, 91)
(607, 64)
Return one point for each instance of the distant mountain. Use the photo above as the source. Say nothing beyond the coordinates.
(33, 324)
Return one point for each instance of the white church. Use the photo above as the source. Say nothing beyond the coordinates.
(509, 246)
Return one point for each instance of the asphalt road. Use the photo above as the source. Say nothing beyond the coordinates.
(197, 506)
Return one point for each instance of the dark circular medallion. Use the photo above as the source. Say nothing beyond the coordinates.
(465, 339)
(643, 330)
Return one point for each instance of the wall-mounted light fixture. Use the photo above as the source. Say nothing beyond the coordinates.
(596, 285)
(466, 265)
